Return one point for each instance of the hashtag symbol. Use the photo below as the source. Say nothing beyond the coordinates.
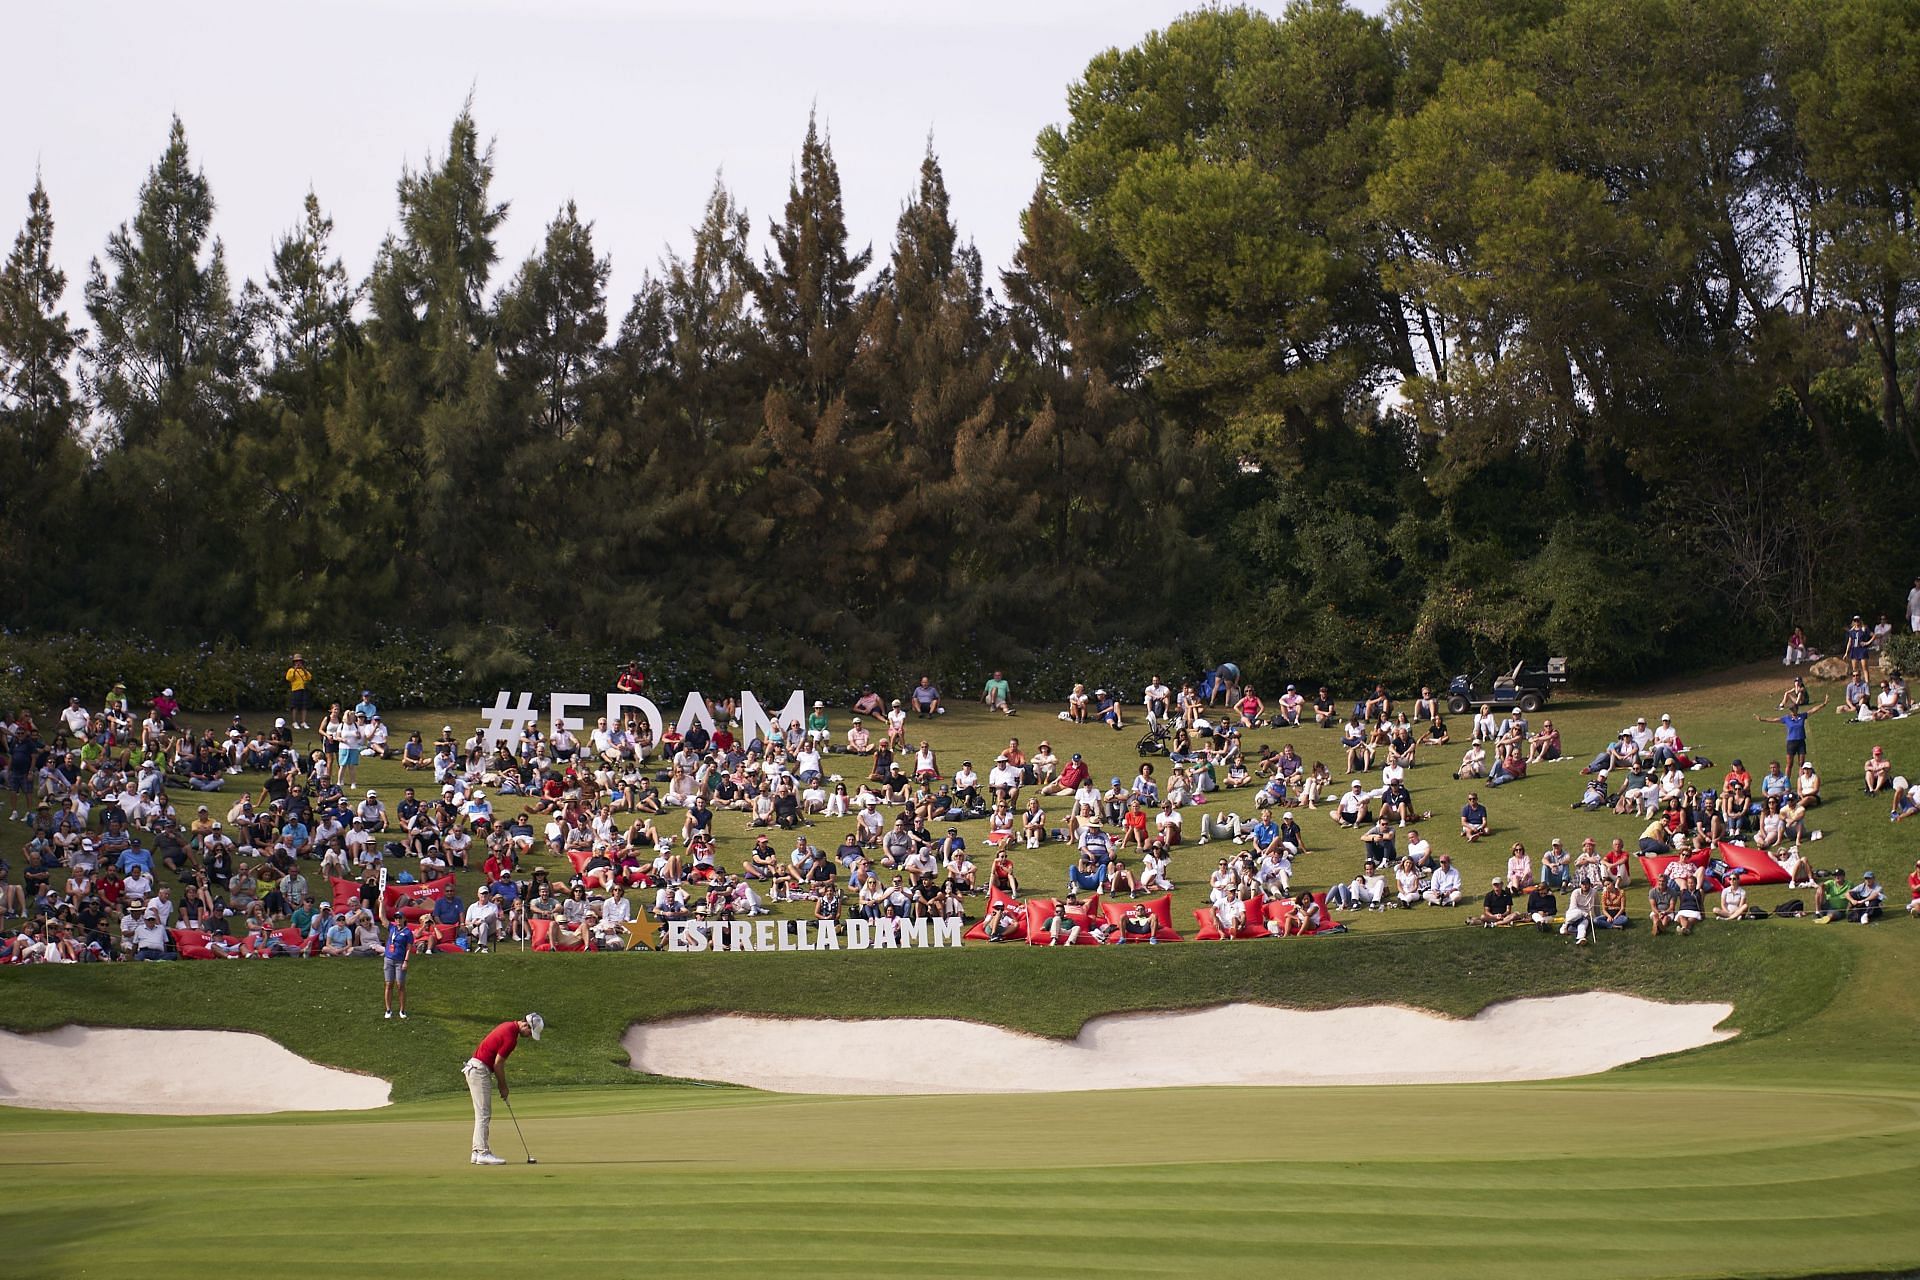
(505, 721)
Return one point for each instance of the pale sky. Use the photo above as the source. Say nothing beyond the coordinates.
(628, 108)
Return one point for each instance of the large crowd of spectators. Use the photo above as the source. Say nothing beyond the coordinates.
(138, 825)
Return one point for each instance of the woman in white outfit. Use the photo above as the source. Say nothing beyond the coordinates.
(1580, 914)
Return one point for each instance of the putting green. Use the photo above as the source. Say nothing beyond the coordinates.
(1467, 1180)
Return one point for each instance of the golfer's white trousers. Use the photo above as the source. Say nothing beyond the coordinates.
(480, 1085)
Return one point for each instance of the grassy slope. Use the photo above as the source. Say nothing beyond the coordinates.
(1716, 716)
(1793, 1149)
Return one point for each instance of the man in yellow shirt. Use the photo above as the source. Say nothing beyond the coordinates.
(298, 678)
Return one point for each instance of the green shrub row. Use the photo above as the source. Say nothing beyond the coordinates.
(408, 670)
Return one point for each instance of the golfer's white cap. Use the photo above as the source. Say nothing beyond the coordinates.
(536, 1024)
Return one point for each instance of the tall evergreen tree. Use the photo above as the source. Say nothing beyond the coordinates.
(1103, 486)
(169, 376)
(167, 350)
(553, 325)
(809, 285)
(926, 371)
(423, 425)
(39, 454)
(298, 533)
(308, 301)
(552, 329)
(679, 450)
(821, 477)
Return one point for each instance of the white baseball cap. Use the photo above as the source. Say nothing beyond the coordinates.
(536, 1024)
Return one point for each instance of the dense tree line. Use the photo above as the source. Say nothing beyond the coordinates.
(1335, 344)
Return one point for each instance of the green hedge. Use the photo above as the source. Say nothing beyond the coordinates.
(406, 670)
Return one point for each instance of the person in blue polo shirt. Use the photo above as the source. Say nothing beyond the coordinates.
(1266, 834)
(134, 856)
(394, 957)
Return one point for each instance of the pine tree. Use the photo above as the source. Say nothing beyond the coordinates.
(927, 366)
(814, 529)
(422, 427)
(552, 329)
(808, 286)
(678, 448)
(39, 455)
(553, 322)
(169, 376)
(168, 343)
(308, 301)
(297, 532)
(1104, 484)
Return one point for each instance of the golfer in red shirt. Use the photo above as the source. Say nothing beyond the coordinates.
(489, 1063)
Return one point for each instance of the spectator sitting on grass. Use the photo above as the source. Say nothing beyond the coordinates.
(1878, 770)
(1613, 907)
(1544, 745)
(1733, 901)
(1473, 819)
(926, 698)
(1621, 753)
(1377, 842)
(1406, 884)
(1445, 888)
(1473, 762)
(1355, 808)
(1496, 906)
(1542, 907)
(1582, 906)
(1865, 900)
(1689, 901)
(1511, 767)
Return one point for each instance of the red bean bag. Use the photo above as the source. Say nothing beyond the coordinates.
(1161, 909)
(1255, 925)
(1275, 909)
(978, 933)
(191, 944)
(294, 938)
(542, 929)
(439, 937)
(1757, 866)
(346, 893)
(1655, 866)
(1039, 910)
(432, 890)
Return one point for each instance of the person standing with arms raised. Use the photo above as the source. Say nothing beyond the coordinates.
(488, 1066)
(398, 951)
(1794, 720)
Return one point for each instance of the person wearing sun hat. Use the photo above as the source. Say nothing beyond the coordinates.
(488, 1067)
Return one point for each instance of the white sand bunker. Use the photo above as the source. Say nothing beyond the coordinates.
(173, 1073)
(1236, 1044)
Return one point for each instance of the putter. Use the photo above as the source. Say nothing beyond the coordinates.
(516, 1129)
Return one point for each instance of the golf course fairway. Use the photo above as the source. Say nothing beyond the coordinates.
(1793, 1149)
